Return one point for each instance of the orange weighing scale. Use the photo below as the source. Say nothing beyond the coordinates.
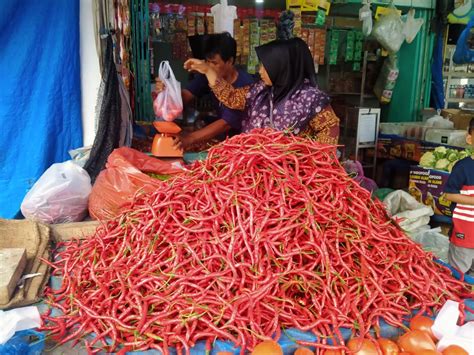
(163, 141)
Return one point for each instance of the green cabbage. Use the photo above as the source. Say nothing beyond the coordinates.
(453, 156)
(440, 152)
(463, 154)
(428, 160)
(451, 166)
(442, 164)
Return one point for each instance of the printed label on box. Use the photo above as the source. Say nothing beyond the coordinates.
(426, 186)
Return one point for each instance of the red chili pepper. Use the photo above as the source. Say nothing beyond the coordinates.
(268, 232)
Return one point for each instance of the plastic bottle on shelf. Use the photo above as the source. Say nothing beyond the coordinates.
(452, 91)
(461, 91)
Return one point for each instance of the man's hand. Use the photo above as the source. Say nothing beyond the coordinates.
(159, 85)
(183, 142)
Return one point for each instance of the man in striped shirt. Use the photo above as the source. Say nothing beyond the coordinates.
(460, 190)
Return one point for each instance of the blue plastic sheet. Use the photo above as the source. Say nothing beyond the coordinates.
(463, 54)
(25, 342)
(40, 97)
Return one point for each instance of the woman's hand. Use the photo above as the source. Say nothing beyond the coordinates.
(197, 65)
(202, 67)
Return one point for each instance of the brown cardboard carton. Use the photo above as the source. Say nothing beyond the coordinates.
(460, 118)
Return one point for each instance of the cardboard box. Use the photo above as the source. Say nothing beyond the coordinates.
(427, 186)
(460, 118)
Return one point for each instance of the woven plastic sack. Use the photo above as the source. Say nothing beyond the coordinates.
(124, 177)
(407, 211)
(168, 104)
(389, 31)
(59, 196)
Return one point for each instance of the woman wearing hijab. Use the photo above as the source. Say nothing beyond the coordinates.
(287, 97)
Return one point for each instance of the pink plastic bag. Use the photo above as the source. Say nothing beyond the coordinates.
(124, 177)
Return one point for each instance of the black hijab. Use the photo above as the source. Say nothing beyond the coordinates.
(288, 63)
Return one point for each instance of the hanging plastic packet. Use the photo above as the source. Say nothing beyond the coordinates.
(320, 17)
(388, 30)
(387, 80)
(365, 15)
(323, 7)
(412, 26)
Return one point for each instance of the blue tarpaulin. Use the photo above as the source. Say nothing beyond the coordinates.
(40, 98)
(437, 84)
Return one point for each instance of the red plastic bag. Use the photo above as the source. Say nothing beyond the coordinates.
(124, 176)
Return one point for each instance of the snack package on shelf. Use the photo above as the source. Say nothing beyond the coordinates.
(210, 24)
(320, 45)
(350, 46)
(305, 35)
(246, 38)
(191, 25)
(200, 29)
(298, 22)
(310, 40)
(254, 42)
(272, 31)
(238, 38)
(334, 47)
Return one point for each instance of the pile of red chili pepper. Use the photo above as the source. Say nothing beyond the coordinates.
(268, 233)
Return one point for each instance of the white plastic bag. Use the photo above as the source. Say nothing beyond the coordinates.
(445, 329)
(59, 196)
(365, 15)
(80, 156)
(412, 26)
(407, 211)
(432, 240)
(388, 31)
(169, 103)
(438, 121)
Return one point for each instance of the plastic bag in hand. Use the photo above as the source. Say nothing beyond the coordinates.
(168, 105)
(388, 31)
(60, 195)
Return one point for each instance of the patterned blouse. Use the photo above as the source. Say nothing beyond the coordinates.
(306, 112)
